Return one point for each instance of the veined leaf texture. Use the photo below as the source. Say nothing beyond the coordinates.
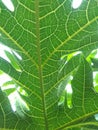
(51, 44)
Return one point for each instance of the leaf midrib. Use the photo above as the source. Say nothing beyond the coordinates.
(39, 62)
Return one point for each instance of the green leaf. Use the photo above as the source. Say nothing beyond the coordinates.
(42, 33)
(13, 60)
(1, 72)
(11, 82)
(9, 91)
(8, 118)
(95, 63)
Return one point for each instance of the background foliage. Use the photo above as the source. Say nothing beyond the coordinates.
(51, 59)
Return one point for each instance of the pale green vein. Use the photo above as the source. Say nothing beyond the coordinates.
(60, 80)
(31, 74)
(83, 100)
(3, 115)
(50, 74)
(77, 49)
(69, 38)
(87, 10)
(24, 28)
(16, 125)
(82, 125)
(52, 104)
(20, 47)
(32, 92)
(30, 115)
(26, 7)
(52, 11)
(38, 109)
(72, 123)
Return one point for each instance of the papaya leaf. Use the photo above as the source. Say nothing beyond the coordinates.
(42, 33)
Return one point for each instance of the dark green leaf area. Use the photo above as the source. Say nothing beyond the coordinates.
(83, 93)
(13, 60)
(6, 112)
(94, 63)
(55, 41)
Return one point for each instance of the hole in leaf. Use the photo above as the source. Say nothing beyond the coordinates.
(93, 55)
(76, 3)
(22, 91)
(93, 60)
(67, 69)
(65, 93)
(95, 81)
(14, 92)
(96, 117)
(2, 53)
(69, 95)
(11, 56)
(65, 58)
(9, 5)
(17, 103)
(9, 87)
(3, 78)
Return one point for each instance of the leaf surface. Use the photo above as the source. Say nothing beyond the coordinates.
(42, 32)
